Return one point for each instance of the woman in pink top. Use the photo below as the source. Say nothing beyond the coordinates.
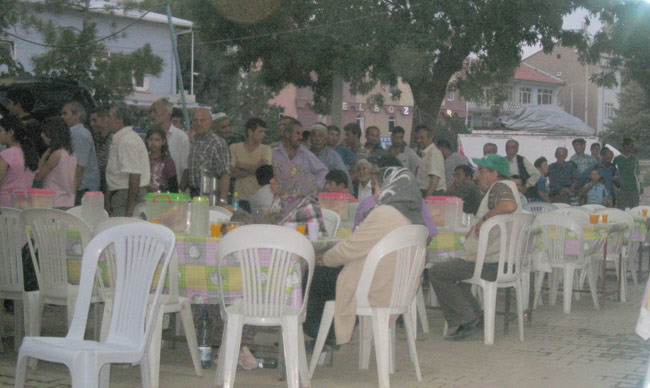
(57, 165)
(19, 161)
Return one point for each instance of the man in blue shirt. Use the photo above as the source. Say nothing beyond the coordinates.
(333, 139)
(609, 172)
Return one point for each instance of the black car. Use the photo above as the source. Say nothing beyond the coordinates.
(50, 94)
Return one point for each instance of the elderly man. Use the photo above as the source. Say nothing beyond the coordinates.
(372, 150)
(430, 176)
(246, 158)
(127, 170)
(405, 154)
(103, 139)
(362, 185)
(520, 165)
(333, 139)
(489, 148)
(177, 140)
(86, 177)
(563, 178)
(459, 307)
(221, 126)
(298, 155)
(330, 158)
(208, 152)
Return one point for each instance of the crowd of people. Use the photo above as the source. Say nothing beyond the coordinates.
(284, 178)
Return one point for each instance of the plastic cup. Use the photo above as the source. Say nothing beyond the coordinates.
(292, 225)
(301, 228)
(605, 218)
(215, 229)
(313, 227)
(593, 219)
(645, 212)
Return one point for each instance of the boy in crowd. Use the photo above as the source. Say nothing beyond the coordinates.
(594, 190)
(520, 187)
(542, 183)
(336, 181)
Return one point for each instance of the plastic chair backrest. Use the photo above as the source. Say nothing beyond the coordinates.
(591, 207)
(92, 223)
(264, 286)
(554, 231)
(514, 230)
(12, 238)
(49, 228)
(617, 239)
(332, 221)
(222, 210)
(139, 211)
(217, 216)
(408, 244)
(539, 207)
(577, 213)
(638, 211)
(561, 204)
(142, 251)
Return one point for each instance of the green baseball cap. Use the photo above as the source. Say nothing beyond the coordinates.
(495, 162)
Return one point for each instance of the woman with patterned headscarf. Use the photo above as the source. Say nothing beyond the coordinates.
(399, 203)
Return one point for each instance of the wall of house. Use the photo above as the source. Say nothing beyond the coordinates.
(157, 34)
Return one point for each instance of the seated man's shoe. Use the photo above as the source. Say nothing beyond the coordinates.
(468, 330)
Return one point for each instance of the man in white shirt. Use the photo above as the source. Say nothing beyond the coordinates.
(520, 165)
(431, 172)
(177, 140)
(127, 171)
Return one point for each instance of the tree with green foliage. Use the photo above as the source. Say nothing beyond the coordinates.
(78, 53)
(632, 120)
(312, 43)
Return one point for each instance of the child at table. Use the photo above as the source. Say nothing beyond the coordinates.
(163, 168)
(594, 190)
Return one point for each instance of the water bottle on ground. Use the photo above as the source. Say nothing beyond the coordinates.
(203, 334)
(266, 362)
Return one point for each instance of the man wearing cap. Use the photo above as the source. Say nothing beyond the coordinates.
(177, 140)
(459, 306)
(221, 126)
(330, 158)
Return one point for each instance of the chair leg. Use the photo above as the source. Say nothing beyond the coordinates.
(591, 277)
(521, 302)
(489, 311)
(410, 339)
(433, 298)
(84, 375)
(365, 341)
(21, 370)
(623, 279)
(391, 346)
(145, 373)
(105, 376)
(539, 281)
(554, 284)
(190, 335)
(569, 271)
(381, 335)
(292, 354)
(303, 369)
(234, 327)
(154, 350)
(218, 378)
(323, 331)
(445, 329)
(422, 311)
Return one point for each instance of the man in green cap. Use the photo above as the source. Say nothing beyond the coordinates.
(459, 306)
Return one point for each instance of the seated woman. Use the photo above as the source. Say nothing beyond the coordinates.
(19, 161)
(399, 203)
(57, 165)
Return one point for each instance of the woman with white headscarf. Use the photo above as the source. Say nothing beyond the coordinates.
(399, 203)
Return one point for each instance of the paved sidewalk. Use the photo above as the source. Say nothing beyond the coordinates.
(586, 348)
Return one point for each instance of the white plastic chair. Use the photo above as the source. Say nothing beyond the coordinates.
(593, 207)
(92, 223)
(49, 229)
(222, 210)
(553, 232)
(217, 216)
(141, 251)
(332, 221)
(577, 213)
(539, 207)
(139, 211)
(561, 204)
(514, 231)
(623, 247)
(12, 239)
(264, 301)
(170, 303)
(406, 248)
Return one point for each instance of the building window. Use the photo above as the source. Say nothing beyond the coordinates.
(485, 121)
(450, 95)
(524, 95)
(391, 123)
(509, 96)
(544, 97)
(361, 122)
(7, 49)
(609, 110)
(141, 84)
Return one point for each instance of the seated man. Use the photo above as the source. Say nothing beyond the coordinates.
(520, 187)
(465, 189)
(458, 304)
